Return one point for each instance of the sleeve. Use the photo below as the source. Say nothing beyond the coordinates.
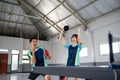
(29, 54)
(80, 46)
(66, 45)
(43, 50)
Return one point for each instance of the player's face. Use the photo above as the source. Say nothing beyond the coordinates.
(74, 40)
(34, 43)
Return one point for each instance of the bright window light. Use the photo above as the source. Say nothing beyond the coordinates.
(25, 52)
(25, 58)
(116, 47)
(15, 51)
(25, 61)
(3, 50)
(84, 52)
(104, 49)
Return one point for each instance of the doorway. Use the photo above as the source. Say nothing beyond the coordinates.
(3, 63)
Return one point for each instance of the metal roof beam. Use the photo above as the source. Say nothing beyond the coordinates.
(68, 15)
(23, 4)
(48, 14)
(54, 8)
(85, 6)
(20, 14)
(16, 25)
(103, 15)
(45, 29)
(8, 2)
(63, 18)
(37, 3)
(15, 22)
(39, 14)
(72, 12)
(51, 11)
(21, 32)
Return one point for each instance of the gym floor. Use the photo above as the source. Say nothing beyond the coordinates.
(23, 76)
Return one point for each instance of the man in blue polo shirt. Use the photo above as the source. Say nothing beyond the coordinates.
(38, 58)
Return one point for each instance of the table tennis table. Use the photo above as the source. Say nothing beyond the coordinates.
(88, 73)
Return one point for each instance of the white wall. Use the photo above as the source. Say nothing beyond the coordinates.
(58, 53)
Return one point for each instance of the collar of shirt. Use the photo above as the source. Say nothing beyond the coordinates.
(35, 49)
(73, 45)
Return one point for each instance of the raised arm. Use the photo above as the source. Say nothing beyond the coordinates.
(79, 42)
(61, 37)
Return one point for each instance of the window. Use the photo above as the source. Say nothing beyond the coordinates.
(15, 51)
(15, 60)
(25, 58)
(116, 47)
(3, 50)
(104, 49)
(84, 52)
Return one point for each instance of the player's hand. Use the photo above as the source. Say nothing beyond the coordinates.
(78, 29)
(48, 57)
(62, 30)
(33, 49)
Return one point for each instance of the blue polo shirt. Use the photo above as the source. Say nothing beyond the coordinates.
(40, 57)
(73, 54)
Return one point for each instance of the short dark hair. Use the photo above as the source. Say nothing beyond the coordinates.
(32, 39)
(74, 35)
